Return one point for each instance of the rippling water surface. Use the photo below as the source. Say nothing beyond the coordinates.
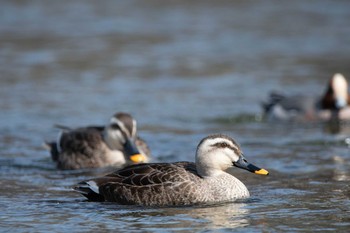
(184, 69)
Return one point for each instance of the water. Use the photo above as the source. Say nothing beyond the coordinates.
(184, 70)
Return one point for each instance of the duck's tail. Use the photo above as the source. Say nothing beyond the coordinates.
(52, 147)
(90, 190)
(274, 98)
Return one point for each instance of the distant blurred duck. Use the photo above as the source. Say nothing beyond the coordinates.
(115, 144)
(334, 104)
(180, 183)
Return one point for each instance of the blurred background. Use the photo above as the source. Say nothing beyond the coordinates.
(183, 69)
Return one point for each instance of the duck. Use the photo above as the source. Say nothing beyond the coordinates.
(334, 104)
(115, 144)
(204, 181)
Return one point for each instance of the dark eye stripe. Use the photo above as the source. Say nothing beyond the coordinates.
(115, 126)
(221, 144)
(224, 145)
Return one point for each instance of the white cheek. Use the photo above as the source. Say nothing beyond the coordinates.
(226, 159)
(114, 139)
(116, 135)
(233, 157)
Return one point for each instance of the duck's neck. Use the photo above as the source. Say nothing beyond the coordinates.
(226, 187)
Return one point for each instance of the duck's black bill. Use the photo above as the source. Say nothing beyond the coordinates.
(133, 153)
(242, 163)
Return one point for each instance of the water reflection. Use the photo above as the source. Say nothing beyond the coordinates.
(229, 216)
(337, 127)
(341, 168)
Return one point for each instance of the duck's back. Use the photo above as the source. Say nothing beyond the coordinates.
(161, 184)
(82, 148)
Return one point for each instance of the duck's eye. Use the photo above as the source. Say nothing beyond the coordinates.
(115, 126)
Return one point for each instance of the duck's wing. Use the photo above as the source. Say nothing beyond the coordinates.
(146, 184)
(52, 146)
(83, 140)
(81, 148)
(286, 102)
(281, 106)
(70, 139)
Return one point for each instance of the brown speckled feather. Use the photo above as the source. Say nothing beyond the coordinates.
(149, 184)
(83, 147)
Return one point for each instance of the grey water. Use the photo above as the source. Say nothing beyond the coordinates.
(183, 69)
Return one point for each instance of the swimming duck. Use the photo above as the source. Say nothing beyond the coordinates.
(97, 146)
(179, 183)
(334, 104)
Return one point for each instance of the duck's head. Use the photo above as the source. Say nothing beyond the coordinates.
(337, 96)
(120, 134)
(217, 153)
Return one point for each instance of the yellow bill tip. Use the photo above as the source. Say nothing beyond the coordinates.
(262, 172)
(138, 158)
